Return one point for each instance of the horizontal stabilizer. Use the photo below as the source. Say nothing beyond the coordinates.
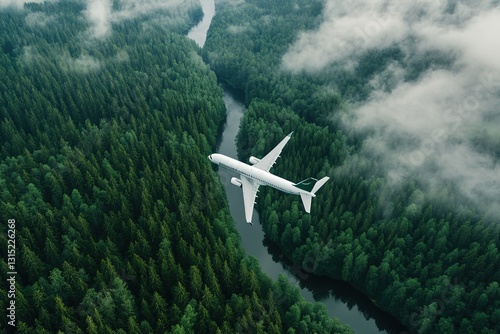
(306, 200)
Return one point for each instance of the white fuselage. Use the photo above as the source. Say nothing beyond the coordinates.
(258, 175)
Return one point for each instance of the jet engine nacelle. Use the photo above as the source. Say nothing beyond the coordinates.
(253, 160)
(236, 182)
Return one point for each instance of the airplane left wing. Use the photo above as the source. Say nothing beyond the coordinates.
(250, 189)
(268, 161)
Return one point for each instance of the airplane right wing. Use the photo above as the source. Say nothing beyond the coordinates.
(268, 161)
(250, 189)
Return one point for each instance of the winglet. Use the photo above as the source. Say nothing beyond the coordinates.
(290, 134)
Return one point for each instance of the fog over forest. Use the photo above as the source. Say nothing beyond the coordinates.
(442, 127)
(102, 14)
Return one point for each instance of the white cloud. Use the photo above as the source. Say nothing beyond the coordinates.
(350, 28)
(343, 34)
(436, 128)
(478, 40)
(101, 15)
(98, 12)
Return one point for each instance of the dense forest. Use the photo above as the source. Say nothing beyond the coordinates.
(433, 267)
(121, 223)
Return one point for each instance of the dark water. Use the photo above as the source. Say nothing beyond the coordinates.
(341, 300)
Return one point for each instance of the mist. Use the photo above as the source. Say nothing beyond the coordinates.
(441, 128)
(101, 14)
(83, 64)
(38, 20)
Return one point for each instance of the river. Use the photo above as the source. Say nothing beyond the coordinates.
(341, 300)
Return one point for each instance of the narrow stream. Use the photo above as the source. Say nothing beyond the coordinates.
(341, 300)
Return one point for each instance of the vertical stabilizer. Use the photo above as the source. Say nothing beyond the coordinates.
(319, 184)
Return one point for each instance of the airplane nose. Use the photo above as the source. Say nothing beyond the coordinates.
(210, 157)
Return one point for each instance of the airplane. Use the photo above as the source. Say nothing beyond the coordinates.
(257, 174)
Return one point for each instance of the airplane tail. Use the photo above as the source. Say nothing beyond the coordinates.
(311, 185)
